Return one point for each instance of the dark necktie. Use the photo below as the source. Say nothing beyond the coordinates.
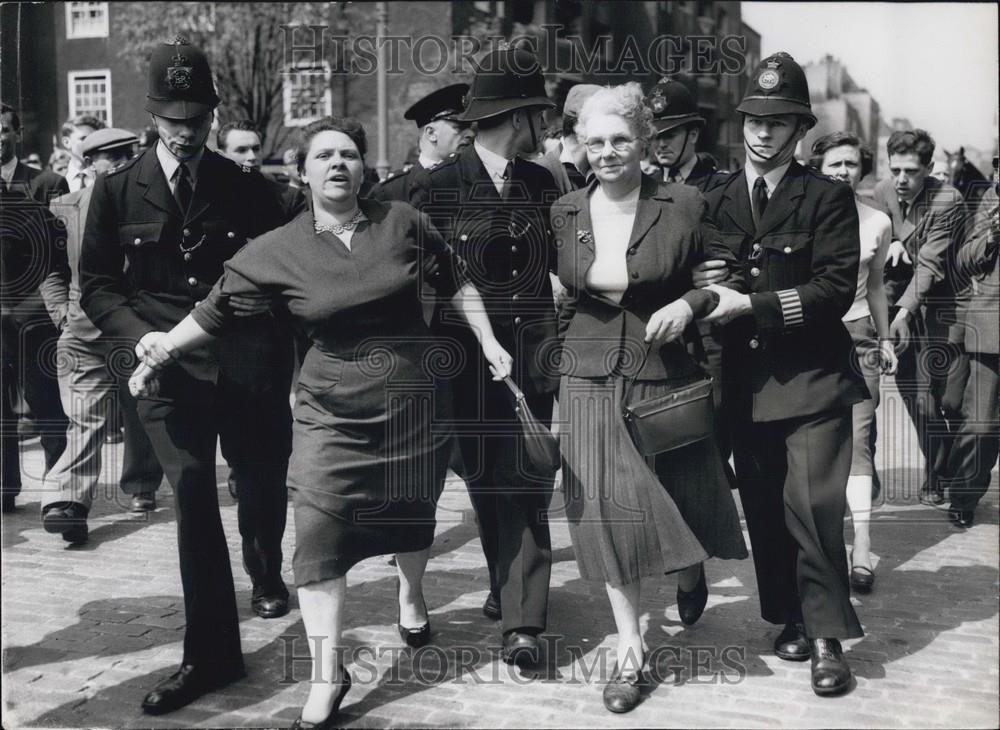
(508, 172)
(575, 178)
(182, 188)
(759, 201)
(83, 179)
(904, 208)
(673, 175)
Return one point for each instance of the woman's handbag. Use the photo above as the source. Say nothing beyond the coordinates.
(541, 445)
(669, 421)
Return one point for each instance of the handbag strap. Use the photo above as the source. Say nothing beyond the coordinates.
(517, 392)
(631, 382)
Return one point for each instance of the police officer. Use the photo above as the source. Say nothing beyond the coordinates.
(678, 127)
(493, 206)
(174, 214)
(789, 370)
(441, 136)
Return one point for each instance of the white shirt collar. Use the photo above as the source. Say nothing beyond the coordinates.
(169, 163)
(73, 173)
(426, 162)
(771, 179)
(7, 170)
(495, 164)
(687, 168)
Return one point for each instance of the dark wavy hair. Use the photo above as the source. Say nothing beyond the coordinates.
(915, 141)
(345, 125)
(838, 139)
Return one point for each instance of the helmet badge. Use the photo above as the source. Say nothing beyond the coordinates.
(768, 79)
(179, 75)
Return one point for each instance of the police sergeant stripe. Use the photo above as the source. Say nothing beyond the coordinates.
(791, 307)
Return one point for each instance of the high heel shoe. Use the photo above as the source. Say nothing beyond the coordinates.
(330, 721)
(691, 604)
(419, 636)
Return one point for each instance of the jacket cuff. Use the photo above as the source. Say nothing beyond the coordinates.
(767, 311)
(701, 301)
(791, 308)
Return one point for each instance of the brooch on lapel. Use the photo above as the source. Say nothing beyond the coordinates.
(585, 237)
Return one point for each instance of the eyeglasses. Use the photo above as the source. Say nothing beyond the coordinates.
(618, 144)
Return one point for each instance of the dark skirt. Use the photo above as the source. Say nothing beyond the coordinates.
(369, 458)
(630, 517)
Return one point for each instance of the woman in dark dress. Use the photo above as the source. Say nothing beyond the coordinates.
(370, 438)
(627, 245)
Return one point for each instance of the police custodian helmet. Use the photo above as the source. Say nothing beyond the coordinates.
(672, 106)
(180, 81)
(778, 87)
(506, 79)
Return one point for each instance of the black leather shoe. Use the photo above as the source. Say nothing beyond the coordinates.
(9, 503)
(143, 502)
(271, 604)
(491, 607)
(931, 496)
(623, 692)
(68, 519)
(831, 674)
(330, 721)
(690, 605)
(961, 517)
(415, 638)
(862, 579)
(520, 648)
(185, 686)
(792, 644)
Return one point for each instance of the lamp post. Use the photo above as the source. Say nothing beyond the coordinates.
(382, 29)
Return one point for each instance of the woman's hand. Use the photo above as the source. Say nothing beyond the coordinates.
(155, 349)
(887, 360)
(144, 382)
(668, 324)
(499, 359)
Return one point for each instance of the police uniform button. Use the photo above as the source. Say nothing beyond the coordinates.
(186, 232)
(187, 257)
(517, 320)
(197, 303)
(631, 252)
(231, 234)
(756, 247)
(754, 343)
(635, 274)
(754, 271)
(192, 281)
(513, 249)
(515, 297)
(787, 249)
(514, 272)
(463, 237)
(137, 241)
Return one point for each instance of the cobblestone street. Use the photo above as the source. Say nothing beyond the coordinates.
(88, 630)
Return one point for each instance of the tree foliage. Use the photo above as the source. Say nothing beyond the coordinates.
(244, 42)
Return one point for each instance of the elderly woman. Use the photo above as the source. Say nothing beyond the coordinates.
(371, 445)
(626, 248)
(841, 155)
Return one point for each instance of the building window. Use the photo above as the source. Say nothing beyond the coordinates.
(306, 93)
(86, 20)
(90, 93)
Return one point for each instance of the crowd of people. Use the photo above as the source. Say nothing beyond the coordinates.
(614, 273)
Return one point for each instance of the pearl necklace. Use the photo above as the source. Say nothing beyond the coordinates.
(338, 228)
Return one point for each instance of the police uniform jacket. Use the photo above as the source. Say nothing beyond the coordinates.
(931, 232)
(705, 174)
(671, 233)
(397, 186)
(170, 261)
(792, 355)
(507, 249)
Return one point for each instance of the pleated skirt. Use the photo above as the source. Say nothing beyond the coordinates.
(631, 516)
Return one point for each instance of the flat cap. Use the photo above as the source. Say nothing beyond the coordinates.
(576, 96)
(107, 139)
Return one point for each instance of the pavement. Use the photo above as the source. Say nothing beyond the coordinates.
(88, 630)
